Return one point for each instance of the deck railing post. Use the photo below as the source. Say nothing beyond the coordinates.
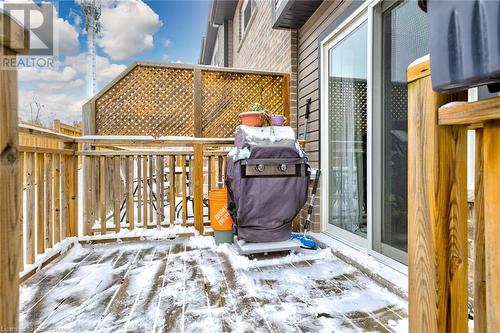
(437, 210)
(13, 39)
(491, 188)
(198, 187)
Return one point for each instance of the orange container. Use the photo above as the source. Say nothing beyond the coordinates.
(252, 118)
(219, 215)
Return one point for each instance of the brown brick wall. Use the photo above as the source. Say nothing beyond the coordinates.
(264, 48)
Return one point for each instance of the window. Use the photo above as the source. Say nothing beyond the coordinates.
(246, 14)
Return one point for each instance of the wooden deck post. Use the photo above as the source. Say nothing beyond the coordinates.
(198, 187)
(491, 186)
(13, 39)
(479, 257)
(437, 211)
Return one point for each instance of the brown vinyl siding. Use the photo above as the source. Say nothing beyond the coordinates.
(308, 73)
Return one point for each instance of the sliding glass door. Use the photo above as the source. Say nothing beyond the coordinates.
(347, 133)
(404, 38)
(364, 139)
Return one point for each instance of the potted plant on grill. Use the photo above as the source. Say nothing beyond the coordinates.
(254, 117)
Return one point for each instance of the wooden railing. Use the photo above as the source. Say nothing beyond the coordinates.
(127, 182)
(137, 187)
(48, 184)
(437, 208)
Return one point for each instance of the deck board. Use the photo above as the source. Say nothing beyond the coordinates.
(177, 286)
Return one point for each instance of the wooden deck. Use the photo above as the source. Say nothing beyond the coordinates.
(189, 285)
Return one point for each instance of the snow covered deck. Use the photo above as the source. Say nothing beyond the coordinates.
(191, 285)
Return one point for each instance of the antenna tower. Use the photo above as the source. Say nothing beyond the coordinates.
(92, 11)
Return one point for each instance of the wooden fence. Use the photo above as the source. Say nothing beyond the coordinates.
(183, 100)
(48, 184)
(437, 208)
(132, 187)
(128, 187)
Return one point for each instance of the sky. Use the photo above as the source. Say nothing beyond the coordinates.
(132, 30)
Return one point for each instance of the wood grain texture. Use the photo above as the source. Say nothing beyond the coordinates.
(151, 186)
(57, 198)
(158, 190)
(88, 193)
(72, 183)
(437, 215)
(171, 179)
(418, 69)
(102, 194)
(184, 191)
(130, 192)
(9, 194)
(49, 229)
(40, 203)
(198, 188)
(491, 139)
(21, 211)
(30, 209)
(470, 113)
(145, 191)
(139, 188)
(286, 96)
(117, 195)
(479, 262)
(197, 111)
(64, 199)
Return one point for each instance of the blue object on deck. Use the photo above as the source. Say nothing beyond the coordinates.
(305, 242)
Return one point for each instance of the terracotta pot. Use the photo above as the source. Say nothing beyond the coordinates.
(278, 120)
(253, 119)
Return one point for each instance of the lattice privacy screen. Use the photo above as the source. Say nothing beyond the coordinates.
(158, 100)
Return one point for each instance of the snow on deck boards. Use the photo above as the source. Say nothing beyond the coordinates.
(190, 285)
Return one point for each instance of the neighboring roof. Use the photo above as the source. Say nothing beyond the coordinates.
(218, 12)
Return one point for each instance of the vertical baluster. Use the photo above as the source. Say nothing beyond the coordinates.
(102, 194)
(145, 191)
(224, 161)
(220, 181)
(171, 170)
(30, 208)
(130, 191)
(57, 198)
(198, 187)
(73, 185)
(139, 189)
(117, 196)
(184, 191)
(213, 172)
(48, 201)
(21, 212)
(40, 206)
(64, 197)
(159, 190)
(151, 183)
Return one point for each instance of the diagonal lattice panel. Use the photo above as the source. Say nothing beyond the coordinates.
(158, 100)
(149, 100)
(225, 95)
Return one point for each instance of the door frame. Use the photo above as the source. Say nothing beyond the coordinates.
(358, 17)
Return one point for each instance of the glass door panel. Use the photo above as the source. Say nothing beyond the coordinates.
(347, 96)
(404, 39)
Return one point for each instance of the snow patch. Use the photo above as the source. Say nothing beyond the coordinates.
(270, 133)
